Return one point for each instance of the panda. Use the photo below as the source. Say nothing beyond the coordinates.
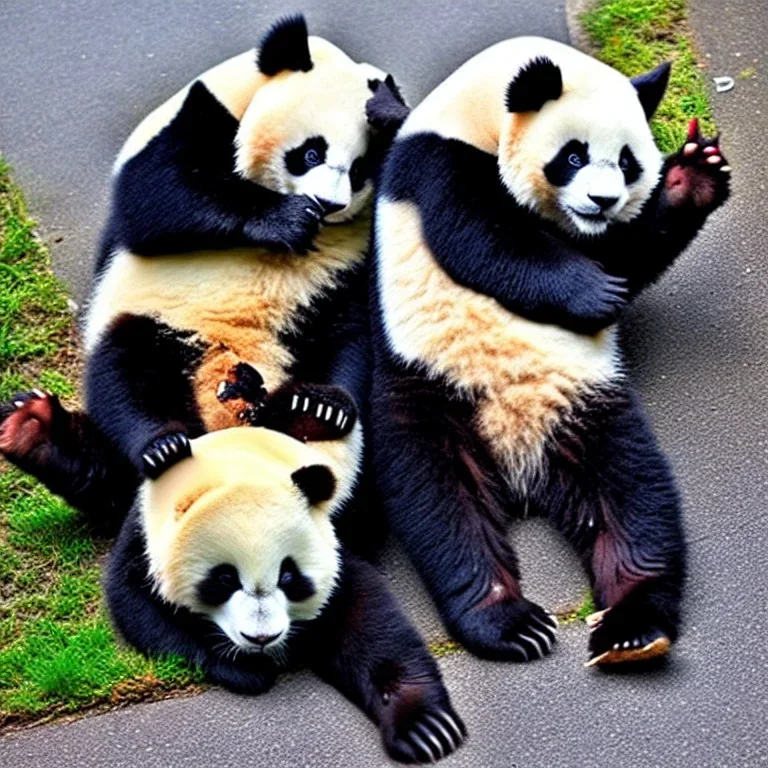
(522, 206)
(231, 560)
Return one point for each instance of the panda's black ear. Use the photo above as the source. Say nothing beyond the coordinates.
(651, 86)
(285, 46)
(316, 482)
(538, 82)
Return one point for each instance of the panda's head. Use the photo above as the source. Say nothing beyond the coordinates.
(305, 131)
(575, 145)
(240, 534)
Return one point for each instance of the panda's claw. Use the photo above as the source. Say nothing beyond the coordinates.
(164, 452)
(431, 738)
(294, 402)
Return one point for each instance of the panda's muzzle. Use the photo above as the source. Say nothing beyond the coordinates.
(330, 207)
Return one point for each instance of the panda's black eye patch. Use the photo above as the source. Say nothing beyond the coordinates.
(629, 165)
(293, 582)
(219, 585)
(567, 162)
(310, 154)
(358, 174)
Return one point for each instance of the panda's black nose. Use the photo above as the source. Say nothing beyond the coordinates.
(329, 207)
(261, 640)
(604, 202)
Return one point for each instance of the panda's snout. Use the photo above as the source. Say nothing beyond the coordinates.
(604, 202)
(329, 206)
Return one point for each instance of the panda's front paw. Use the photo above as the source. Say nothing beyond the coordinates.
(594, 298)
(290, 226)
(163, 452)
(698, 176)
(310, 412)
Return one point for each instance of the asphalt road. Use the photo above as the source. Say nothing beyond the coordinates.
(697, 347)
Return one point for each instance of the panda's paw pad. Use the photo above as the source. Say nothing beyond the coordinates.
(699, 175)
(616, 641)
(243, 382)
(425, 735)
(312, 412)
(26, 421)
(163, 452)
(507, 629)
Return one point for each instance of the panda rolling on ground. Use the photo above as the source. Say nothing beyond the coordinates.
(522, 205)
(230, 289)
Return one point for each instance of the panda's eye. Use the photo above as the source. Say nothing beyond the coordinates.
(624, 164)
(357, 174)
(219, 584)
(311, 158)
(293, 582)
(575, 160)
(308, 155)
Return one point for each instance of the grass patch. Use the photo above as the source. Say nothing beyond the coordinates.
(442, 648)
(634, 36)
(57, 650)
(585, 609)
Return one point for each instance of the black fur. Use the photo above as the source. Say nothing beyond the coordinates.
(316, 482)
(285, 47)
(181, 192)
(651, 87)
(487, 242)
(561, 169)
(537, 82)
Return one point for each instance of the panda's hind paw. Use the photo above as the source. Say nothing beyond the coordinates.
(426, 734)
(26, 422)
(164, 452)
(617, 640)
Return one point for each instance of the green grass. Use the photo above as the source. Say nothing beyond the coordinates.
(634, 36)
(57, 650)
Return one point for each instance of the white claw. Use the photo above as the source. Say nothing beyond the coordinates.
(452, 723)
(725, 169)
(319, 410)
(148, 459)
(18, 403)
(339, 418)
(546, 640)
(328, 412)
(39, 392)
(295, 402)
(165, 449)
(627, 643)
(553, 619)
(534, 642)
(174, 447)
(616, 647)
(435, 742)
(344, 422)
(440, 727)
(521, 649)
(423, 746)
(714, 159)
(691, 148)
(220, 390)
(306, 404)
(636, 643)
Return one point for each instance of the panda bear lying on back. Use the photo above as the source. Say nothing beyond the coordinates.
(522, 205)
(221, 297)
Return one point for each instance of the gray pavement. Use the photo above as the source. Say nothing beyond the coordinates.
(697, 352)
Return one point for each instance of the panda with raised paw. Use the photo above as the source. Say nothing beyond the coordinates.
(523, 204)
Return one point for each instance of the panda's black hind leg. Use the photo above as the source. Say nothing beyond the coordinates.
(611, 492)
(449, 508)
(68, 454)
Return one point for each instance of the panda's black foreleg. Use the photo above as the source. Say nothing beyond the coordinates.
(612, 493)
(139, 392)
(449, 508)
(69, 455)
(363, 645)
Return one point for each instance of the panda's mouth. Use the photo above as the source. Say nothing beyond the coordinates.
(594, 217)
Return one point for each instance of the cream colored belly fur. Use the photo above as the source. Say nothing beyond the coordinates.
(237, 302)
(527, 375)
